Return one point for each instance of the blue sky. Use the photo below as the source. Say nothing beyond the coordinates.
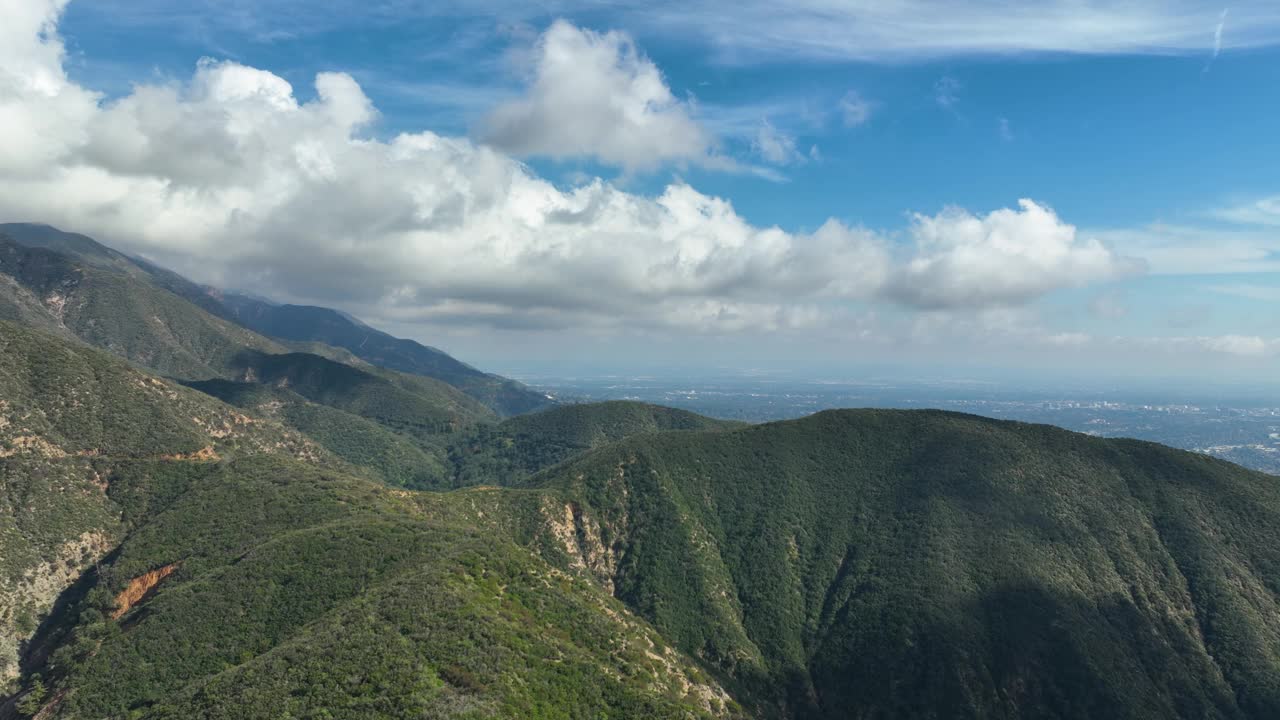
(910, 125)
(1174, 135)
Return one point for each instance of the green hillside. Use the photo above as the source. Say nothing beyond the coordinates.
(924, 564)
(317, 324)
(851, 564)
(157, 318)
(69, 415)
(392, 458)
(513, 450)
(362, 428)
(418, 406)
(118, 311)
(70, 285)
(210, 563)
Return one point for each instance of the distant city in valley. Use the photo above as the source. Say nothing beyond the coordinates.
(1231, 426)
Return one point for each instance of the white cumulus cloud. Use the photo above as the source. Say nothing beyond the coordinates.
(43, 115)
(1006, 257)
(232, 179)
(596, 95)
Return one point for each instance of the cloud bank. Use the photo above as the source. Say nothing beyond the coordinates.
(233, 180)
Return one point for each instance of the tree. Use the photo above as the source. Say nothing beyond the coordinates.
(31, 703)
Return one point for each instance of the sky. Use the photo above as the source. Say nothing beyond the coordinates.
(1053, 187)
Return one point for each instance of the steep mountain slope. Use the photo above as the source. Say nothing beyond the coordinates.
(418, 406)
(299, 322)
(19, 305)
(86, 250)
(924, 564)
(513, 450)
(217, 565)
(116, 310)
(74, 245)
(69, 416)
(74, 286)
(153, 326)
(391, 457)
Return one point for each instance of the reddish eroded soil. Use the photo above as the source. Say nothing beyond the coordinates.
(139, 588)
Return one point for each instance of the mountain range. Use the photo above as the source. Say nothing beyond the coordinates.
(216, 506)
(129, 306)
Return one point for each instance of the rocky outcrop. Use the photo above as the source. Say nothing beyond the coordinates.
(26, 602)
(204, 454)
(581, 539)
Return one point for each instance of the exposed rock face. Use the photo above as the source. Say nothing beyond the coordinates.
(582, 542)
(204, 454)
(31, 444)
(25, 602)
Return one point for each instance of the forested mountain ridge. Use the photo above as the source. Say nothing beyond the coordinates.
(852, 564)
(69, 416)
(165, 322)
(73, 286)
(166, 555)
(126, 314)
(317, 324)
(396, 460)
(512, 451)
(928, 564)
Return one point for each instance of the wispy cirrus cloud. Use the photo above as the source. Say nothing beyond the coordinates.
(1006, 131)
(1197, 249)
(863, 30)
(778, 147)
(946, 92)
(1217, 33)
(1264, 211)
(855, 110)
(1249, 291)
(1217, 39)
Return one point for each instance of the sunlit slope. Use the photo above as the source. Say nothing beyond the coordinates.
(70, 417)
(925, 564)
(123, 313)
(212, 563)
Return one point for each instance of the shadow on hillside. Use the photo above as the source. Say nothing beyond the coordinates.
(1015, 652)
